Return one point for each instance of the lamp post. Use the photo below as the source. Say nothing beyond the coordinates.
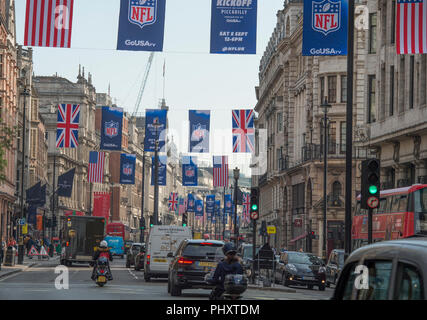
(325, 107)
(25, 93)
(156, 125)
(236, 173)
(141, 231)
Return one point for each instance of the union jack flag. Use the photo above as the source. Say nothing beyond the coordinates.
(173, 201)
(246, 207)
(67, 127)
(243, 131)
(220, 171)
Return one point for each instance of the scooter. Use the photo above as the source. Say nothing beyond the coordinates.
(234, 285)
(101, 272)
(322, 277)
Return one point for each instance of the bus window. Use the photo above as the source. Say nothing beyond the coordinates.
(357, 212)
(383, 203)
(388, 204)
(403, 203)
(395, 204)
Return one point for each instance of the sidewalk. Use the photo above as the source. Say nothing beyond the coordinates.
(28, 263)
(274, 287)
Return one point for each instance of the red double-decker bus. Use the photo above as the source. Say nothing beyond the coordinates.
(117, 229)
(402, 213)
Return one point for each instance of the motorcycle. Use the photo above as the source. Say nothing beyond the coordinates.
(101, 271)
(322, 277)
(234, 285)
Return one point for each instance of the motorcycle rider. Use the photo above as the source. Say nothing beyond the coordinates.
(229, 265)
(102, 251)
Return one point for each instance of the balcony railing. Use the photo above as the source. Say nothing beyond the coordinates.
(284, 163)
(315, 152)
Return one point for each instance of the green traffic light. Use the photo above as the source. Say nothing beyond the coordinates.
(151, 225)
(373, 189)
(184, 224)
(254, 207)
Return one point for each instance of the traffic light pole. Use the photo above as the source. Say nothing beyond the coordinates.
(370, 214)
(253, 250)
(142, 231)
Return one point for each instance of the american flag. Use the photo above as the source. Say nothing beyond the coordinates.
(96, 166)
(243, 131)
(67, 127)
(220, 171)
(411, 27)
(173, 201)
(49, 23)
(182, 206)
(246, 206)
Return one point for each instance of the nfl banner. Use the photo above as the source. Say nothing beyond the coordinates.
(228, 203)
(325, 28)
(199, 131)
(210, 203)
(141, 25)
(199, 208)
(217, 207)
(191, 203)
(65, 184)
(111, 130)
(127, 168)
(189, 172)
(101, 205)
(155, 128)
(234, 26)
(162, 170)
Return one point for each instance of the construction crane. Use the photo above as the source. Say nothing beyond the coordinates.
(143, 84)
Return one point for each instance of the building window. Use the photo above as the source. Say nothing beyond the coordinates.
(1, 66)
(343, 136)
(373, 33)
(279, 122)
(393, 22)
(423, 81)
(401, 87)
(391, 90)
(411, 82)
(322, 89)
(336, 190)
(343, 89)
(332, 89)
(332, 138)
(372, 99)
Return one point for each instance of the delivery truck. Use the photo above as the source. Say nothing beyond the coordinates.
(80, 237)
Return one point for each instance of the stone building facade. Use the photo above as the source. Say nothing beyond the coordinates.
(8, 115)
(291, 91)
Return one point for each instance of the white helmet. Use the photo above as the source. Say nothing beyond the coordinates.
(103, 244)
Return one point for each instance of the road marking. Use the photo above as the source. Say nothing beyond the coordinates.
(133, 274)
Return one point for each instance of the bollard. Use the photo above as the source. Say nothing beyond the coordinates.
(10, 257)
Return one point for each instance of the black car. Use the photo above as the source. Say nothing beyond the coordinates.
(191, 262)
(140, 258)
(388, 270)
(301, 268)
(334, 266)
(131, 254)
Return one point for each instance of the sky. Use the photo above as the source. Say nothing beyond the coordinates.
(194, 78)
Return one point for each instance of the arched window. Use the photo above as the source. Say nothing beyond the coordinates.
(336, 190)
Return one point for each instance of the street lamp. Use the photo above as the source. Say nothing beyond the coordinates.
(156, 125)
(142, 231)
(325, 107)
(236, 173)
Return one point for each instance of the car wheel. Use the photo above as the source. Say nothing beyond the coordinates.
(127, 264)
(136, 267)
(175, 290)
(322, 287)
(169, 285)
(147, 278)
(335, 280)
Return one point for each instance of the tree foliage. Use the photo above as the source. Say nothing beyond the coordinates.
(6, 143)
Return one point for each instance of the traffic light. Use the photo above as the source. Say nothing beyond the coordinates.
(184, 219)
(151, 221)
(312, 235)
(142, 223)
(255, 202)
(370, 184)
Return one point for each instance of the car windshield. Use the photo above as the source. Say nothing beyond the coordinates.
(303, 258)
(341, 259)
(248, 252)
(420, 208)
(199, 250)
(136, 248)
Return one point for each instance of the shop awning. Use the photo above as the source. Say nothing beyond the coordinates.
(299, 237)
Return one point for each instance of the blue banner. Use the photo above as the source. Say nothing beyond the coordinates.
(199, 208)
(325, 28)
(228, 203)
(155, 128)
(127, 168)
(162, 170)
(141, 25)
(65, 184)
(234, 26)
(191, 203)
(111, 128)
(199, 131)
(210, 203)
(189, 172)
(217, 207)
(32, 215)
(224, 218)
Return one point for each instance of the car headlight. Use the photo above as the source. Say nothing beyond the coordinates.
(292, 267)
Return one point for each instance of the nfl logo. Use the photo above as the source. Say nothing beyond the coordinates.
(198, 132)
(326, 16)
(189, 172)
(127, 169)
(199, 208)
(191, 203)
(111, 129)
(142, 12)
(228, 204)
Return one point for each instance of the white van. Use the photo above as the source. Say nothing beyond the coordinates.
(161, 241)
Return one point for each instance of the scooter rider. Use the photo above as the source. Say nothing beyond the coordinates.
(102, 251)
(229, 265)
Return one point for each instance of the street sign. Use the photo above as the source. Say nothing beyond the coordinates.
(254, 215)
(25, 229)
(271, 229)
(21, 222)
(373, 202)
